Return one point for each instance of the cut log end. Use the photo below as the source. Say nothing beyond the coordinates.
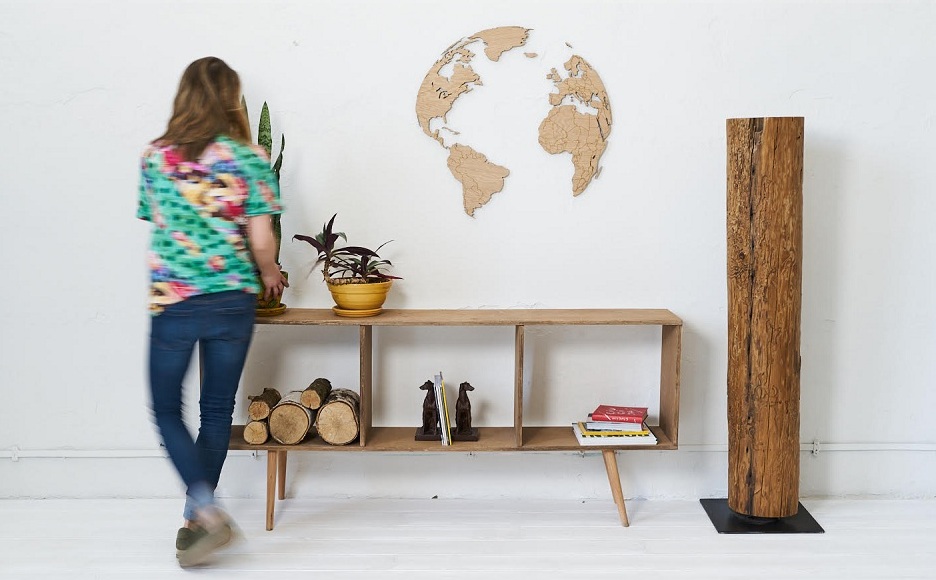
(338, 421)
(256, 432)
(315, 394)
(261, 405)
(290, 421)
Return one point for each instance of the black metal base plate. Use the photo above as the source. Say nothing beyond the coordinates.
(727, 521)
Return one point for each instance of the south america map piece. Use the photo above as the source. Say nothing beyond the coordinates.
(480, 178)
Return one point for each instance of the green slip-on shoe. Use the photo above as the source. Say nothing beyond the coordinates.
(202, 544)
(184, 538)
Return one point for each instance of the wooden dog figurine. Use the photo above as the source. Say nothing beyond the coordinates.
(463, 429)
(430, 416)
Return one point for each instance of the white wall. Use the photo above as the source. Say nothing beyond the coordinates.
(83, 89)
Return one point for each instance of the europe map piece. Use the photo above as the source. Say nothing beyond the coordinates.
(579, 121)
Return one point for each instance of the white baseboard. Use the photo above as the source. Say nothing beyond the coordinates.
(682, 474)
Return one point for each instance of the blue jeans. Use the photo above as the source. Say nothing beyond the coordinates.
(222, 325)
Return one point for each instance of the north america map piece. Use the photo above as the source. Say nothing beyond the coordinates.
(438, 93)
(578, 122)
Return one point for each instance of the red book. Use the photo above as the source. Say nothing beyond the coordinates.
(619, 414)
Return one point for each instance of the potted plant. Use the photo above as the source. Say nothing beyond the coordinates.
(354, 274)
(273, 306)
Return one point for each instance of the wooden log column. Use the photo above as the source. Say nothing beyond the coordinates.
(765, 258)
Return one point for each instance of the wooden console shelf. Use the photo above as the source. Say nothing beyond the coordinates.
(514, 438)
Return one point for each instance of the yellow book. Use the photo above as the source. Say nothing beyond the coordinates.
(620, 440)
(444, 417)
(602, 433)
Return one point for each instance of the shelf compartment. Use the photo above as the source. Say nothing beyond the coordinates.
(562, 439)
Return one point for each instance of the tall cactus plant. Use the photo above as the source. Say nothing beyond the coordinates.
(265, 140)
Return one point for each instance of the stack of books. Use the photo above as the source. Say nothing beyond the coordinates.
(615, 425)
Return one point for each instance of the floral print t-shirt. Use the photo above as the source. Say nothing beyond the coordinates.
(199, 212)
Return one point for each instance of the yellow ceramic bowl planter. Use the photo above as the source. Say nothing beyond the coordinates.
(359, 299)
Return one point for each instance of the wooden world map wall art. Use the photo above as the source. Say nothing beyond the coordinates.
(578, 122)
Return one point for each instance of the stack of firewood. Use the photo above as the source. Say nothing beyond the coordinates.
(257, 430)
(318, 409)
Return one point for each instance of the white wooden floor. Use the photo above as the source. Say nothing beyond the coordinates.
(443, 539)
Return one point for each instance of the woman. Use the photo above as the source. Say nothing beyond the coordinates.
(209, 194)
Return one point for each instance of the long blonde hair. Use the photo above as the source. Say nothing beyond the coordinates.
(207, 105)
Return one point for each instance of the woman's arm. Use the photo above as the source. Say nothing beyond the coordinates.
(263, 248)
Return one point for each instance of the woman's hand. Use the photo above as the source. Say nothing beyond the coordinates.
(273, 283)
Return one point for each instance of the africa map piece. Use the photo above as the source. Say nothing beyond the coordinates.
(565, 130)
(480, 178)
(578, 123)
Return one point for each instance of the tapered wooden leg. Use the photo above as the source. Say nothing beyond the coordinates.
(271, 487)
(281, 473)
(614, 479)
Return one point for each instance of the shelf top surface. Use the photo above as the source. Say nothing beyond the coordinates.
(394, 439)
(480, 317)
